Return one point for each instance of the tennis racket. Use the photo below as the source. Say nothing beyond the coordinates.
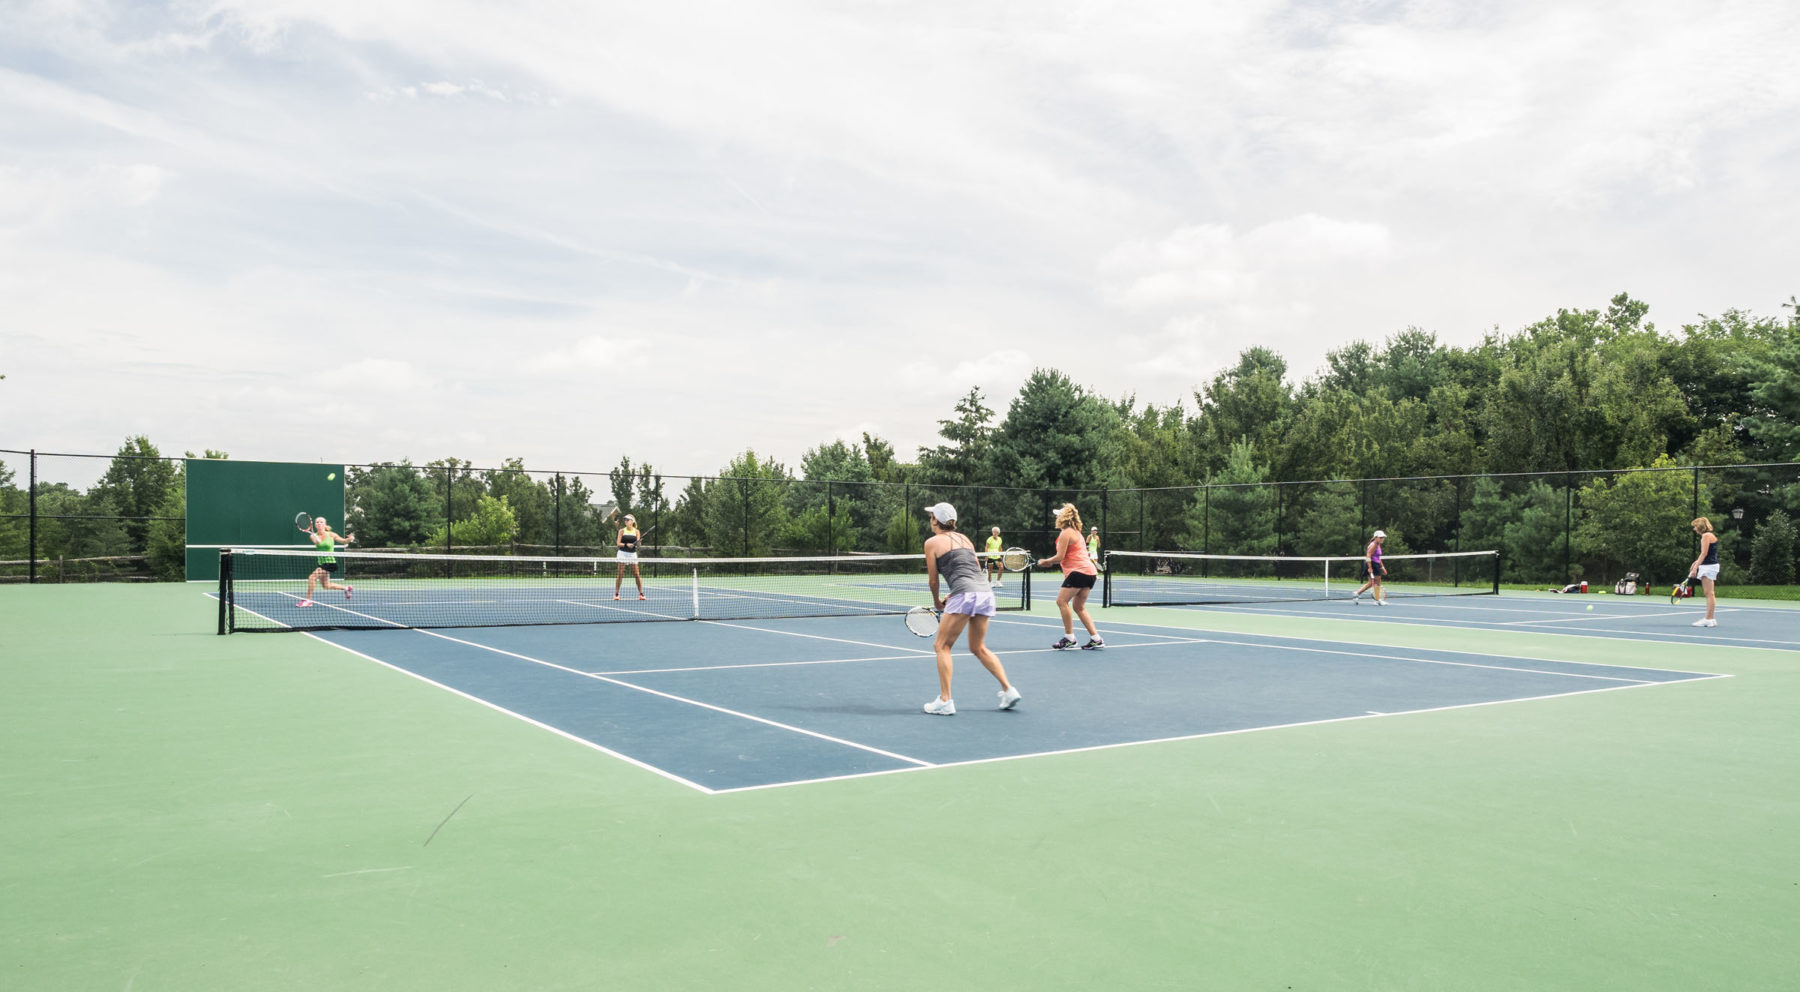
(303, 521)
(923, 621)
(1681, 591)
(1016, 559)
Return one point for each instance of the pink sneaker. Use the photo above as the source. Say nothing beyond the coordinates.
(304, 602)
(348, 590)
(641, 596)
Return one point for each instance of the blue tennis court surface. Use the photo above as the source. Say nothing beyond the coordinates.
(1741, 623)
(725, 706)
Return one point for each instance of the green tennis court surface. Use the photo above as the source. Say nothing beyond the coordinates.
(187, 811)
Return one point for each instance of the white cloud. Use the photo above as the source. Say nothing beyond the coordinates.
(1210, 264)
(766, 210)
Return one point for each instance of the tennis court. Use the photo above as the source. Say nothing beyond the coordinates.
(1231, 798)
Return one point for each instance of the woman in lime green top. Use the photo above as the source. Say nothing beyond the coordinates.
(326, 540)
(1094, 544)
(993, 561)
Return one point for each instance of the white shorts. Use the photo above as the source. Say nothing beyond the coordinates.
(979, 603)
(627, 556)
(1708, 572)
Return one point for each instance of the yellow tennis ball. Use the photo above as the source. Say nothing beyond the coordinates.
(330, 476)
(1590, 606)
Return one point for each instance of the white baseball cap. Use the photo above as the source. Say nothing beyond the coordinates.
(944, 512)
(1381, 533)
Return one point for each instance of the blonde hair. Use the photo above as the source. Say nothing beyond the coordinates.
(1068, 516)
(1704, 524)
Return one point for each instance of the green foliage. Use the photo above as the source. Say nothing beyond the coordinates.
(1056, 435)
(532, 502)
(1641, 520)
(1772, 552)
(137, 485)
(745, 510)
(963, 460)
(491, 527)
(392, 506)
(166, 548)
(1775, 386)
(1234, 515)
(903, 533)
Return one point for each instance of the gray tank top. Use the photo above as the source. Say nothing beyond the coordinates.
(960, 568)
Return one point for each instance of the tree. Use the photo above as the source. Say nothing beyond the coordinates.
(962, 461)
(532, 503)
(1251, 403)
(1772, 552)
(744, 510)
(1055, 436)
(1775, 386)
(1641, 520)
(137, 484)
(490, 527)
(392, 506)
(1235, 514)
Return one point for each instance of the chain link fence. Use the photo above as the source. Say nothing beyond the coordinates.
(84, 518)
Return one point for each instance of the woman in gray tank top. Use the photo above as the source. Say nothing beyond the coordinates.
(950, 556)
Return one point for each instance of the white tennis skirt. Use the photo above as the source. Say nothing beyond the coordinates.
(625, 556)
(1707, 572)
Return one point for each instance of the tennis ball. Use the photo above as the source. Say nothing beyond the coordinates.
(1590, 606)
(329, 476)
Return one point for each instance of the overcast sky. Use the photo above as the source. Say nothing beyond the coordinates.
(350, 230)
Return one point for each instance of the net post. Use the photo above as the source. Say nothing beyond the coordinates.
(1106, 580)
(225, 591)
(1026, 576)
(1328, 578)
(31, 549)
(697, 592)
(1497, 555)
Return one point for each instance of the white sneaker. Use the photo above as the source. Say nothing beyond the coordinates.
(1380, 602)
(941, 707)
(1357, 599)
(1703, 622)
(1008, 699)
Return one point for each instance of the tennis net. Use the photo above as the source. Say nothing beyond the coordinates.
(262, 589)
(1157, 578)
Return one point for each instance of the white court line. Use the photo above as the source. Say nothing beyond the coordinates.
(621, 609)
(1200, 736)
(603, 749)
(1601, 618)
(892, 657)
(1329, 640)
(680, 699)
(1746, 643)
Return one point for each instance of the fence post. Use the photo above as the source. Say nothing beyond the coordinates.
(1205, 525)
(449, 508)
(830, 511)
(31, 545)
(556, 504)
(1696, 541)
(1568, 528)
(1105, 535)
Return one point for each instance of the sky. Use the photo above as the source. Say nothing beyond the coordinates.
(360, 230)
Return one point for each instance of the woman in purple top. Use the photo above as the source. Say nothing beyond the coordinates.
(1372, 571)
